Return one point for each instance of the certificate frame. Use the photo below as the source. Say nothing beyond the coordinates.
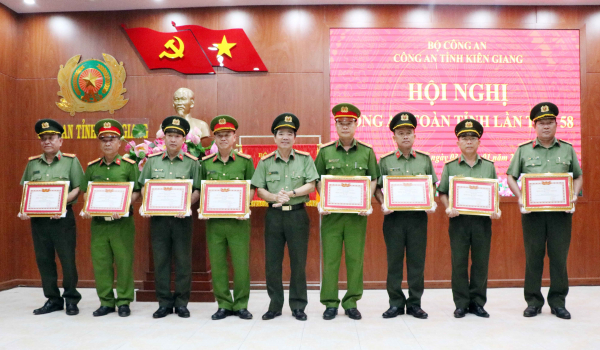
(184, 208)
(61, 209)
(328, 180)
(390, 180)
(472, 181)
(124, 205)
(208, 186)
(547, 178)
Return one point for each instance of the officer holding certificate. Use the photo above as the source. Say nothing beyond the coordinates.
(545, 154)
(468, 232)
(171, 236)
(113, 237)
(284, 179)
(224, 233)
(350, 157)
(405, 229)
(55, 236)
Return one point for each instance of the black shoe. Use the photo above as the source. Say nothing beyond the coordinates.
(478, 310)
(393, 311)
(269, 315)
(532, 311)
(561, 312)
(48, 308)
(330, 313)
(460, 313)
(182, 311)
(124, 311)
(299, 315)
(103, 311)
(353, 313)
(417, 312)
(72, 310)
(221, 314)
(162, 312)
(244, 314)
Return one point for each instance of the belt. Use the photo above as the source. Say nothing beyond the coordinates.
(288, 207)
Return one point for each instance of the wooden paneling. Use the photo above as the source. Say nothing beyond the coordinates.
(8, 33)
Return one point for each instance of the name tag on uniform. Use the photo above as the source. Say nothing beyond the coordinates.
(272, 172)
(334, 160)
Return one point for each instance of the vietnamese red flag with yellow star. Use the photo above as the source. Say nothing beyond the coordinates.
(229, 48)
(178, 50)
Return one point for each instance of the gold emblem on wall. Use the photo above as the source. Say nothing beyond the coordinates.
(92, 85)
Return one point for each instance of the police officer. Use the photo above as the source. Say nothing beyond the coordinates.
(228, 164)
(468, 232)
(552, 229)
(113, 237)
(55, 235)
(285, 178)
(345, 156)
(171, 236)
(405, 229)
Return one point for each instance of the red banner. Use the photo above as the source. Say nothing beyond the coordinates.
(259, 151)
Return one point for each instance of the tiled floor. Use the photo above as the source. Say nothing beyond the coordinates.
(506, 329)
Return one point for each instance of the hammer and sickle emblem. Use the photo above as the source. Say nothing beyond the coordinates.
(177, 52)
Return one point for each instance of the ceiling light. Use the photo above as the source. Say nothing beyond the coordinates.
(29, 2)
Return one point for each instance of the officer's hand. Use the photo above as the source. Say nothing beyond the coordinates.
(23, 216)
(116, 216)
(142, 213)
(85, 215)
(246, 217)
(523, 211)
(183, 216)
(282, 197)
(451, 212)
(497, 215)
(433, 209)
(385, 210)
(55, 217)
(572, 210)
(322, 212)
(366, 213)
(201, 217)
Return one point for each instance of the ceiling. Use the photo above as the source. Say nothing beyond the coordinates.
(20, 6)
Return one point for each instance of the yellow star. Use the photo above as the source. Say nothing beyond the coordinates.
(224, 47)
(90, 80)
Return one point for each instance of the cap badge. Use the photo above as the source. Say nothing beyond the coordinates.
(222, 121)
(344, 109)
(404, 117)
(176, 122)
(469, 124)
(107, 125)
(288, 119)
(545, 109)
(45, 125)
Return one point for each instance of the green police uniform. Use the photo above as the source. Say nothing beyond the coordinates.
(541, 229)
(55, 237)
(288, 223)
(172, 237)
(229, 233)
(113, 241)
(405, 229)
(469, 232)
(347, 230)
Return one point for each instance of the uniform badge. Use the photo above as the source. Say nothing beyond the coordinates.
(107, 125)
(92, 85)
(545, 109)
(176, 122)
(45, 125)
(344, 109)
(404, 117)
(222, 121)
(469, 124)
(288, 119)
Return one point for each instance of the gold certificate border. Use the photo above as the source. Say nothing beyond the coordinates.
(332, 209)
(102, 184)
(65, 185)
(475, 180)
(167, 212)
(399, 178)
(224, 182)
(541, 176)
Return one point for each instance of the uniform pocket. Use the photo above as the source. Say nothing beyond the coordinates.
(333, 168)
(273, 177)
(158, 174)
(533, 162)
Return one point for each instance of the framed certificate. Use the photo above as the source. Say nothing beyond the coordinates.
(345, 194)
(547, 192)
(108, 198)
(44, 199)
(474, 196)
(225, 198)
(167, 197)
(408, 192)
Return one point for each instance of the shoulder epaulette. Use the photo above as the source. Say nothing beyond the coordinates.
(191, 156)
(155, 154)
(94, 161)
(422, 152)
(35, 157)
(525, 143)
(388, 154)
(563, 141)
(128, 160)
(269, 155)
(364, 144)
(327, 144)
(302, 152)
(452, 160)
(70, 155)
(209, 156)
(491, 161)
(247, 156)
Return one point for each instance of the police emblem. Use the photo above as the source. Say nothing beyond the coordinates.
(107, 125)
(404, 117)
(45, 125)
(176, 122)
(222, 121)
(288, 119)
(469, 124)
(545, 109)
(91, 85)
(344, 109)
